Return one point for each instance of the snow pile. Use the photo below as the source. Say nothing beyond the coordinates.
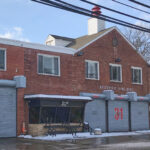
(82, 135)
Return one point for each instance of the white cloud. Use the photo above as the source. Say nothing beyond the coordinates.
(14, 33)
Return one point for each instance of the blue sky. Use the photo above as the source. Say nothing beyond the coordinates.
(29, 21)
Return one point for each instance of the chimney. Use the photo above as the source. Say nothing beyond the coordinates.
(95, 25)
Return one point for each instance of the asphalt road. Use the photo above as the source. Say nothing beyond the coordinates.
(141, 142)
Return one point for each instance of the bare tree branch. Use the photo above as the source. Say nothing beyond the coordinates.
(141, 41)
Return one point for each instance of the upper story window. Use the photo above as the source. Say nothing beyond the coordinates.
(92, 69)
(115, 73)
(2, 59)
(49, 65)
(136, 75)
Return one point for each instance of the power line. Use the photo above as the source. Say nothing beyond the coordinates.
(139, 3)
(130, 6)
(64, 7)
(86, 10)
(127, 15)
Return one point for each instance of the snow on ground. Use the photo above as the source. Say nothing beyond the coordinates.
(83, 135)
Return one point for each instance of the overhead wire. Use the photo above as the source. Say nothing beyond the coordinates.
(118, 12)
(139, 3)
(131, 6)
(86, 10)
(83, 12)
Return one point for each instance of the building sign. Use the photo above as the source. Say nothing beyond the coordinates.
(118, 113)
(105, 87)
(64, 104)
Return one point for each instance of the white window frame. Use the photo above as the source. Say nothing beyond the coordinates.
(50, 56)
(116, 65)
(91, 61)
(138, 68)
(5, 65)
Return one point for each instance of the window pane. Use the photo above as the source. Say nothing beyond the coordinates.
(2, 59)
(56, 69)
(115, 73)
(48, 114)
(86, 69)
(34, 115)
(76, 115)
(91, 70)
(96, 71)
(48, 63)
(140, 77)
(137, 77)
(62, 114)
(119, 75)
(40, 64)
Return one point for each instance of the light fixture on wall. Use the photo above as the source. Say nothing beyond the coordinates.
(117, 60)
(80, 53)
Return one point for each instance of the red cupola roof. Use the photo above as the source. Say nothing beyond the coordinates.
(96, 11)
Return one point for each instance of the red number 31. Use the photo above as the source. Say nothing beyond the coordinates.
(119, 113)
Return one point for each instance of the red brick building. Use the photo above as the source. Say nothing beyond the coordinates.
(104, 60)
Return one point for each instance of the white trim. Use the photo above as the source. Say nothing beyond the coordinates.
(58, 97)
(117, 65)
(5, 55)
(91, 61)
(50, 56)
(36, 46)
(138, 68)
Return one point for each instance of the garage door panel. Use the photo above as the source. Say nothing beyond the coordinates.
(118, 116)
(95, 114)
(8, 112)
(139, 116)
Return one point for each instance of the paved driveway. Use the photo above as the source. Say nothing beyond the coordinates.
(141, 142)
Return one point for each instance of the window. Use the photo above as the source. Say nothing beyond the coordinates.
(115, 73)
(34, 115)
(76, 114)
(136, 75)
(92, 69)
(48, 64)
(2, 59)
(55, 114)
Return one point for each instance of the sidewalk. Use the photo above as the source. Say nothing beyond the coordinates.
(83, 135)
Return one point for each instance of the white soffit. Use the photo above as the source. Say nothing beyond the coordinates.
(36, 46)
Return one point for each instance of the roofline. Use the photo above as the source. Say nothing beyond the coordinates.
(95, 39)
(36, 46)
(61, 37)
(67, 97)
(109, 30)
(130, 44)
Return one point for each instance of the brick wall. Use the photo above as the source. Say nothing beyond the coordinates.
(72, 80)
(15, 62)
(23, 61)
(103, 51)
(15, 66)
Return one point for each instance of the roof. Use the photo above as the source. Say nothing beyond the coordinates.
(81, 41)
(59, 97)
(62, 37)
(57, 49)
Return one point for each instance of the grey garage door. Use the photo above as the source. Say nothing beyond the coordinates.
(7, 112)
(139, 115)
(95, 114)
(118, 116)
